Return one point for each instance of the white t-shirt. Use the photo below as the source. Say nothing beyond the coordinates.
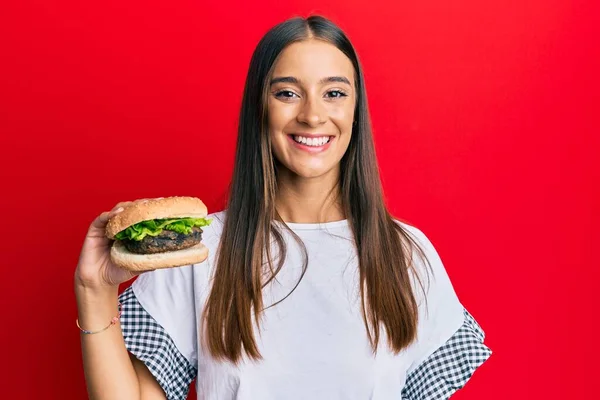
(314, 344)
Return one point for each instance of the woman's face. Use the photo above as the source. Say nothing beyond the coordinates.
(311, 108)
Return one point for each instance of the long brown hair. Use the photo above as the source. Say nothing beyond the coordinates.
(384, 248)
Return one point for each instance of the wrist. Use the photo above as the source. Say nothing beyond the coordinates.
(96, 306)
(95, 297)
(86, 285)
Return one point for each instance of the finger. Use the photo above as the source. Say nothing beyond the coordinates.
(122, 204)
(115, 211)
(100, 222)
(145, 200)
(126, 204)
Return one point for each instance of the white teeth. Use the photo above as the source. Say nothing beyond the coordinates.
(316, 142)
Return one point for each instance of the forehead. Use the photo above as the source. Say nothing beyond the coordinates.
(311, 60)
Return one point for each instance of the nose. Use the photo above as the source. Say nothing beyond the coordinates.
(312, 113)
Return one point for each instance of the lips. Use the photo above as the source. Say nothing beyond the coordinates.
(311, 143)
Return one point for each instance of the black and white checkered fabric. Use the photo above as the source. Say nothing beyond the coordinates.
(450, 367)
(437, 378)
(149, 342)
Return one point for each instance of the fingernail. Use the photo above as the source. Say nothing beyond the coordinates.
(119, 209)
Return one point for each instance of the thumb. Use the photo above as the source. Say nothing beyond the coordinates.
(99, 224)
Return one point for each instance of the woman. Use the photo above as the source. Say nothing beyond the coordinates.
(311, 290)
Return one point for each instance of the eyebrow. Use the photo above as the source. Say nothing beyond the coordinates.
(291, 79)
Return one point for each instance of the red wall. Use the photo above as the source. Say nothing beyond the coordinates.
(485, 128)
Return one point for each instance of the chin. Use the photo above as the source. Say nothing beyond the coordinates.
(308, 172)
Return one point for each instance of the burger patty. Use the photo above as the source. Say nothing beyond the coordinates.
(165, 241)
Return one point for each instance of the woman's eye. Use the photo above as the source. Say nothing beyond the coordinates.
(286, 94)
(336, 94)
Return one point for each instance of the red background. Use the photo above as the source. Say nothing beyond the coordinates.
(485, 125)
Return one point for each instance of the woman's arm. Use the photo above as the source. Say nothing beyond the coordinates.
(110, 371)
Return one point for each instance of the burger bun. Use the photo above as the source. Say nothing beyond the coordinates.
(166, 207)
(125, 259)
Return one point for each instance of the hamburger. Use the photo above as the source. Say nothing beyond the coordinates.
(158, 233)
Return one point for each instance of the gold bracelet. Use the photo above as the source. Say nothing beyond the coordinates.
(112, 322)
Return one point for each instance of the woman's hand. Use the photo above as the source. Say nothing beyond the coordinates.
(95, 270)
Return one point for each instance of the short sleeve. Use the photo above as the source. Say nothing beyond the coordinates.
(449, 345)
(158, 321)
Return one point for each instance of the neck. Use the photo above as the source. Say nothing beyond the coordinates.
(308, 200)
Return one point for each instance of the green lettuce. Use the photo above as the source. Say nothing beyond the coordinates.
(154, 227)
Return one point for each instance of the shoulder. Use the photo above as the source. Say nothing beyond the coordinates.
(419, 247)
(416, 235)
(431, 281)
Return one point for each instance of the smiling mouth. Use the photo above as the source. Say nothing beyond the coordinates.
(312, 142)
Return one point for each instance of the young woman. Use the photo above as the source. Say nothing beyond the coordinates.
(311, 289)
